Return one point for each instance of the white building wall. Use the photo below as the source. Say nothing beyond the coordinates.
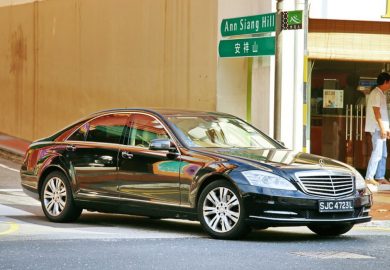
(288, 93)
(232, 77)
(263, 85)
(356, 10)
(233, 72)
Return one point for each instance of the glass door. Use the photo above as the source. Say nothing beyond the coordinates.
(337, 121)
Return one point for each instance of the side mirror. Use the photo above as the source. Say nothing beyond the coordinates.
(160, 144)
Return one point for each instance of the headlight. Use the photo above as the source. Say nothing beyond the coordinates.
(268, 180)
(359, 180)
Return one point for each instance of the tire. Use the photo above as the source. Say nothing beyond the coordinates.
(330, 230)
(57, 199)
(221, 211)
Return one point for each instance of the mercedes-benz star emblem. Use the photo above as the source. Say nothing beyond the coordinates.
(321, 162)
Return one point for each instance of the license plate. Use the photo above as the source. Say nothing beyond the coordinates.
(335, 206)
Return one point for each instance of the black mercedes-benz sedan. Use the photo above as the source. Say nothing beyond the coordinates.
(211, 167)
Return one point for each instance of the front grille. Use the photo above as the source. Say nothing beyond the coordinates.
(327, 184)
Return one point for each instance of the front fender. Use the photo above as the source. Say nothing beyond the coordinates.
(214, 171)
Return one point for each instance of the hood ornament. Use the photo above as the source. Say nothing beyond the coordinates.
(321, 162)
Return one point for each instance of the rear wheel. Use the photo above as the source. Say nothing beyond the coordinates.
(57, 200)
(221, 211)
(330, 230)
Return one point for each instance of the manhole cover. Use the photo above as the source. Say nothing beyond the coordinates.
(332, 255)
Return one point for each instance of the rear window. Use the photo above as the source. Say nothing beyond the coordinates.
(106, 129)
(80, 134)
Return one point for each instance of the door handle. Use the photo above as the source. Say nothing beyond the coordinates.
(350, 123)
(357, 134)
(361, 121)
(71, 148)
(107, 160)
(127, 155)
(346, 123)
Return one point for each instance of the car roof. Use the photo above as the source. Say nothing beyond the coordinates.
(163, 111)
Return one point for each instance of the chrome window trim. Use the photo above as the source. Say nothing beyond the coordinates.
(167, 130)
(172, 137)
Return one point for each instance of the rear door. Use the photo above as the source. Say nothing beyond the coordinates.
(92, 152)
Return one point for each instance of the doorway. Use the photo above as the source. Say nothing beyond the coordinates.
(337, 106)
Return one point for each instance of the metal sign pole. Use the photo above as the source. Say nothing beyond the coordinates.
(278, 71)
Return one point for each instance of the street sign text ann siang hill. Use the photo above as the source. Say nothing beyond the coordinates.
(248, 25)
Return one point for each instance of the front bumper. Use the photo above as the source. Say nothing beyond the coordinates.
(270, 207)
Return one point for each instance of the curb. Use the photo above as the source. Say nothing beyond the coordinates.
(9, 154)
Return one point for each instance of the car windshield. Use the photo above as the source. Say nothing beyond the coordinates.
(220, 131)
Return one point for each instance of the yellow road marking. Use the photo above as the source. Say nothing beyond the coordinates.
(13, 227)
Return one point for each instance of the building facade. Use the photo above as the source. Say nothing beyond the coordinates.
(62, 59)
(348, 46)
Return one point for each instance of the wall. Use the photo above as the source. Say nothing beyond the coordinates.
(232, 79)
(355, 10)
(62, 59)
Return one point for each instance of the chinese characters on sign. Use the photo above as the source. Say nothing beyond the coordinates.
(247, 47)
(292, 20)
(257, 24)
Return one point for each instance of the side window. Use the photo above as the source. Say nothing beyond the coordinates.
(143, 129)
(80, 134)
(107, 129)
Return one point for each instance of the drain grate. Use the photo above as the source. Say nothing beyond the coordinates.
(332, 255)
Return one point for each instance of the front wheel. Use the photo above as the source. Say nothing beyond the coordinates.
(57, 200)
(330, 230)
(221, 211)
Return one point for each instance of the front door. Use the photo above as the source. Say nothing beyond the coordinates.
(147, 175)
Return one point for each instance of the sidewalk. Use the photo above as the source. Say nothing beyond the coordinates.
(13, 148)
(13, 145)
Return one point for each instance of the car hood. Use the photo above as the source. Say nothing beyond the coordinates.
(279, 159)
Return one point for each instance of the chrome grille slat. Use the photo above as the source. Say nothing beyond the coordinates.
(318, 182)
(340, 186)
(342, 189)
(318, 186)
(329, 183)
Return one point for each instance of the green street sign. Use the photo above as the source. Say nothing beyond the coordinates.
(248, 25)
(292, 20)
(247, 47)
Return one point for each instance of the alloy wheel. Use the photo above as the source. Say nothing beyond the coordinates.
(221, 209)
(55, 196)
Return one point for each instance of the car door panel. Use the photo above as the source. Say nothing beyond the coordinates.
(92, 152)
(94, 167)
(147, 175)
